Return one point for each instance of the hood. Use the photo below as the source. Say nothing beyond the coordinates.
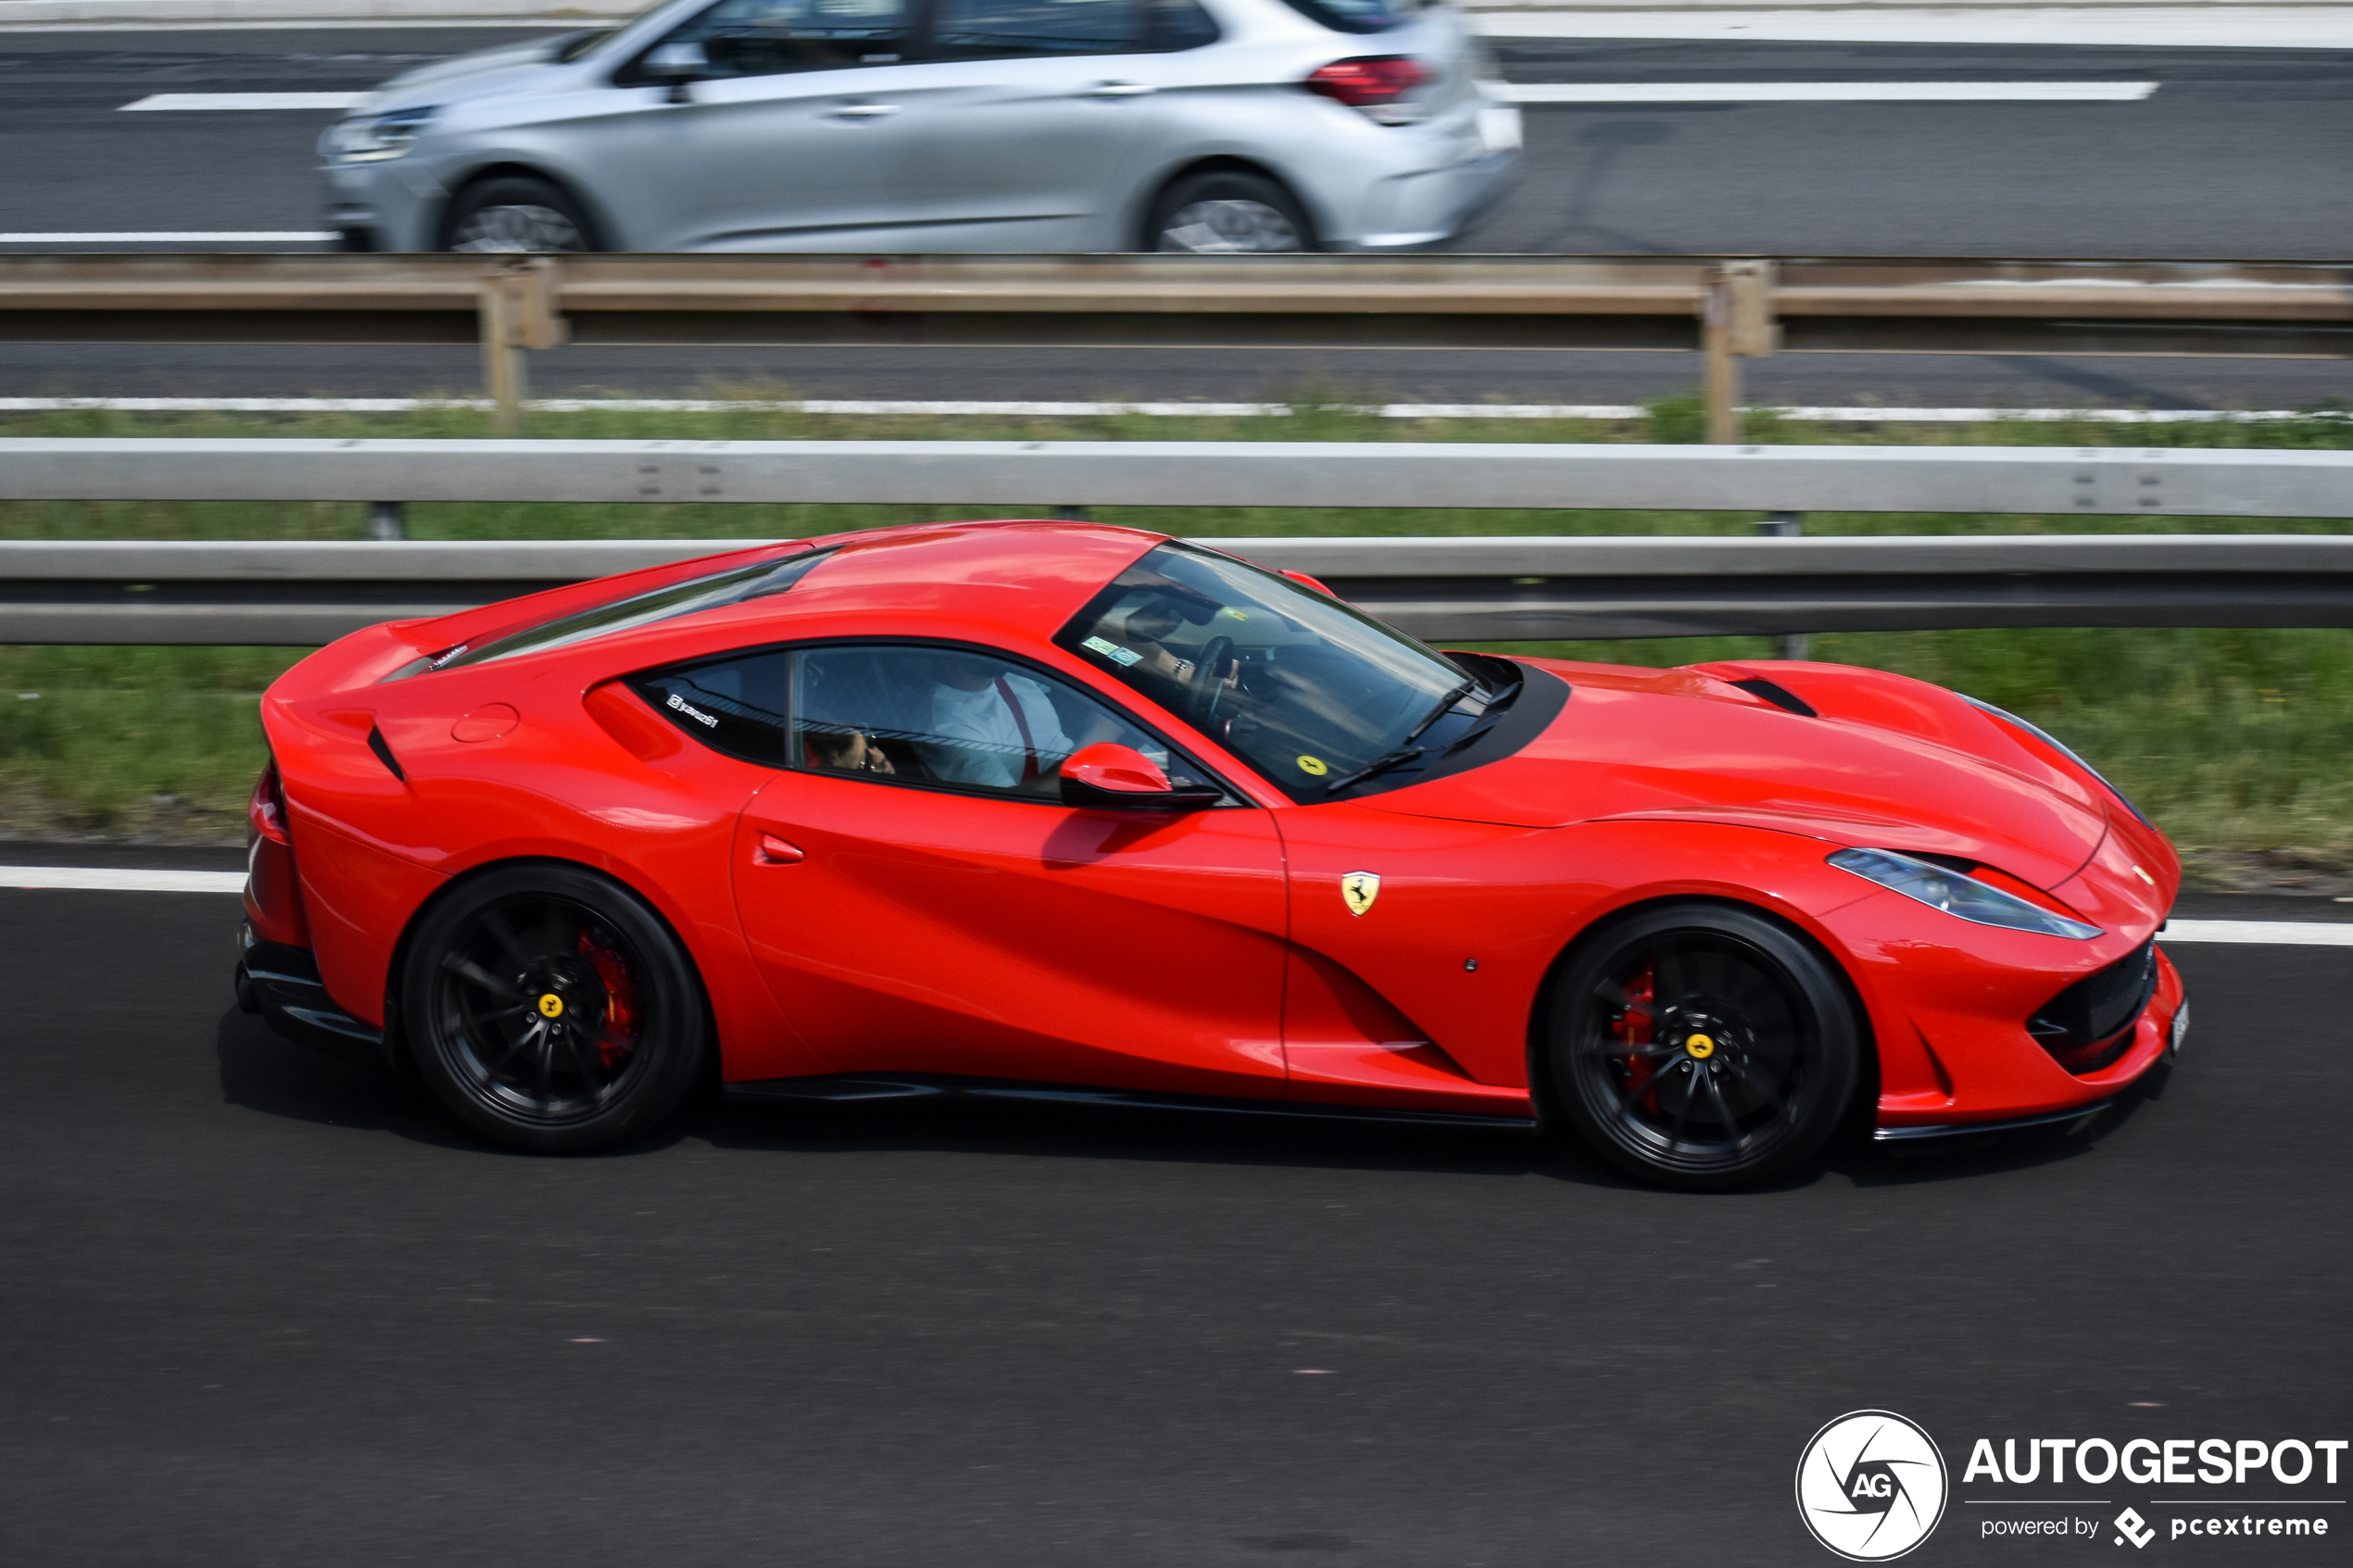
(482, 74)
(1884, 762)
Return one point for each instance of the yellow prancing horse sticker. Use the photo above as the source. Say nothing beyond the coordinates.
(1701, 1046)
(1358, 889)
(551, 1005)
(1315, 765)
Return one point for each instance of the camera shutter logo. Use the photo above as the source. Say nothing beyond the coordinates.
(1871, 1486)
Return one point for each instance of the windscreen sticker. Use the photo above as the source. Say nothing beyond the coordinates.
(1315, 765)
(1113, 651)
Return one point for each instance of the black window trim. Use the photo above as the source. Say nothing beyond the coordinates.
(793, 649)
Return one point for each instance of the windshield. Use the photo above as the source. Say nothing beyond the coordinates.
(1309, 691)
(732, 586)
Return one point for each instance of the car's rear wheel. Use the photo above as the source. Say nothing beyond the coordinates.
(515, 214)
(1701, 1046)
(550, 1010)
(1228, 211)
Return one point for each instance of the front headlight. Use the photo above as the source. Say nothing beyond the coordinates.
(374, 138)
(1957, 895)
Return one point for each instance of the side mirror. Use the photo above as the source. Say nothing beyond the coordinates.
(681, 64)
(1120, 778)
(1306, 581)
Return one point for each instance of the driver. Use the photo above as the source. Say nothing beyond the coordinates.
(1145, 632)
(1002, 728)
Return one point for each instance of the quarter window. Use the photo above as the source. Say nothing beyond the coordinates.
(1181, 24)
(735, 704)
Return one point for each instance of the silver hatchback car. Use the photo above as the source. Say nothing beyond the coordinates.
(939, 125)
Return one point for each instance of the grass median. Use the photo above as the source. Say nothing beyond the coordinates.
(2235, 741)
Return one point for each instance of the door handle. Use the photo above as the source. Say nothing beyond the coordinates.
(862, 112)
(1118, 90)
(774, 851)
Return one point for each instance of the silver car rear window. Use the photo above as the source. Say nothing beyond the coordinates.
(1358, 16)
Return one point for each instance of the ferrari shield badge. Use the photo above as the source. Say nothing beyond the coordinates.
(1358, 889)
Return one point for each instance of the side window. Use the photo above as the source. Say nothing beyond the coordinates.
(969, 30)
(735, 704)
(771, 37)
(949, 718)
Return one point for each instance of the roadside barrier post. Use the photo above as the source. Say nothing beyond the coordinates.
(1737, 323)
(517, 312)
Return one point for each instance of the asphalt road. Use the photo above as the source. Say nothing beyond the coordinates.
(2239, 154)
(260, 1308)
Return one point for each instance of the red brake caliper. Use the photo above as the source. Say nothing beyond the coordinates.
(1634, 1026)
(620, 1035)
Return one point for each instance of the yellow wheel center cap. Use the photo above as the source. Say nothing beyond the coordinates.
(551, 1005)
(1701, 1046)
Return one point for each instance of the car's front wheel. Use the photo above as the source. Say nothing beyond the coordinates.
(1227, 211)
(550, 1010)
(1701, 1046)
(513, 214)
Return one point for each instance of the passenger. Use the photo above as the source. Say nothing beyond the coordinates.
(1001, 728)
(848, 750)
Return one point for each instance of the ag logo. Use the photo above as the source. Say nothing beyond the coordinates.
(1358, 889)
(1870, 1485)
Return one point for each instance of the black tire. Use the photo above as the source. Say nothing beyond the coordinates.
(515, 214)
(1701, 1045)
(551, 1010)
(1228, 211)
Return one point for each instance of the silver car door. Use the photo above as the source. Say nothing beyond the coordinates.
(780, 138)
(1032, 111)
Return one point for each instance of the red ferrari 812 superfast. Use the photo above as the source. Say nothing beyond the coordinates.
(1049, 808)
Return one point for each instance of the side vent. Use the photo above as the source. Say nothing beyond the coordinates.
(1777, 694)
(377, 744)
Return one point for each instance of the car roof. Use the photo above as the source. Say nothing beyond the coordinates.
(996, 582)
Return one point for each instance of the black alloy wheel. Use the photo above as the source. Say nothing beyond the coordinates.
(515, 214)
(1701, 1046)
(551, 1010)
(1228, 212)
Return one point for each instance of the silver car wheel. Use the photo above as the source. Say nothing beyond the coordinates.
(1227, 227)
(518, 229)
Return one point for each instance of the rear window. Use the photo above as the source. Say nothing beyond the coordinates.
(733, 586)
(1358, 16)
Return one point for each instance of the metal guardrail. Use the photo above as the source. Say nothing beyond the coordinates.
(1465, 588)
(2031, 481)
(1469, 589)
(1733, 308)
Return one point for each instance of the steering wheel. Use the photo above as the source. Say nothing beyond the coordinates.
(1203, 693)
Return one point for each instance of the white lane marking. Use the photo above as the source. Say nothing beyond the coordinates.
(2230, 26)
(105, 879)
(172, 103)
(102, 879)
(1827, 92)
(172, 237)
(1856, 414)
(2269, 933)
